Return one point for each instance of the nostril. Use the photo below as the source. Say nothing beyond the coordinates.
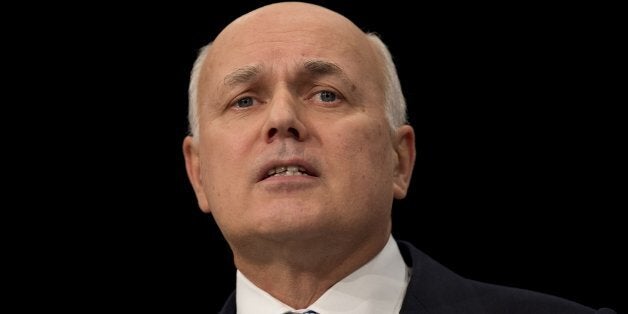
(272, 132)
(288, 133)
(294, 133)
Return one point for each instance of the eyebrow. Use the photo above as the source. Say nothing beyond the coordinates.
(313, 68)
(322, 68)
(243, 75)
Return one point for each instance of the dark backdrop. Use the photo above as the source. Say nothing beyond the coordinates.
(520, 174)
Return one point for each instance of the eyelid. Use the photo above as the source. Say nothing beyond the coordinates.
(234, 102)
(318, 90)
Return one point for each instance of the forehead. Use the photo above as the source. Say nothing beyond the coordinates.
(288, 39)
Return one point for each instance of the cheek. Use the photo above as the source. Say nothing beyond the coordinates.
(224, 160)
(365, 181)
(228, 142)
(223, 176)
(366, 151)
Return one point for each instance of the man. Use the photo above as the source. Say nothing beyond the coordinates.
(298, 146)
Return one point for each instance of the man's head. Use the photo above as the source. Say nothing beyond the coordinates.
(299, 131)
(395, 102)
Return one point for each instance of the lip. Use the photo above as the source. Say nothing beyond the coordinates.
(309, 168)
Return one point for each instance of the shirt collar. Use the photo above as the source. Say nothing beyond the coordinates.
(377, 287)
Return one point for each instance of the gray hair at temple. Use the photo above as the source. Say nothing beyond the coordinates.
(395, 102)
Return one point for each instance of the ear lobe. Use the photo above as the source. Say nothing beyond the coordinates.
(193, 168)
(406, 154)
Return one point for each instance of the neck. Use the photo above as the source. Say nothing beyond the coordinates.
(299, 272)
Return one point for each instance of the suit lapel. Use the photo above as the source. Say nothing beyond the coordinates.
(435, 289)
(230, 305)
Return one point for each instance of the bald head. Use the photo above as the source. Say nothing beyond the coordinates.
(287, 30)
(295, 32)
(288, 19)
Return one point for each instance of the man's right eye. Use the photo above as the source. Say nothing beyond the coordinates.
(244, 102)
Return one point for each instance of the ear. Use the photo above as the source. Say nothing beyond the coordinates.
(403, 142)
(193, 167)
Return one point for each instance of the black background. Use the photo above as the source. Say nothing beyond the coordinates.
(520, 173)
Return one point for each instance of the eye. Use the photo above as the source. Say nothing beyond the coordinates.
(244, 102)
(327, 96)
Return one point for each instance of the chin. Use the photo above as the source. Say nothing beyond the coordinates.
(290, 223)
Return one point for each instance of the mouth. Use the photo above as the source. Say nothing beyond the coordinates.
(287, 169)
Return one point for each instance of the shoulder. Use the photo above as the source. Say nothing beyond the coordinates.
(499, 299)
(435, 289)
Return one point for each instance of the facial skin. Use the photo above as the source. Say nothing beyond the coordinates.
(296, 84)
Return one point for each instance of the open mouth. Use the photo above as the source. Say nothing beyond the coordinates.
(286, 170)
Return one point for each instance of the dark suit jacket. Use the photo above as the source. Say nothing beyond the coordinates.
(437, 290)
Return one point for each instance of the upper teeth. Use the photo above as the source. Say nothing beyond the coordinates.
(286, 171)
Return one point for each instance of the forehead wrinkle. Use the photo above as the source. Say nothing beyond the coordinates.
(313, 68)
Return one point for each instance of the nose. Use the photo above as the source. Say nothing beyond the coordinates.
(284, 119)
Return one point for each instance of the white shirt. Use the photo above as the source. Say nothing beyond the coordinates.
(377, 287)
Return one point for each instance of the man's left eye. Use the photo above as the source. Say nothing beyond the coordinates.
(244, 102)
(327, 96)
